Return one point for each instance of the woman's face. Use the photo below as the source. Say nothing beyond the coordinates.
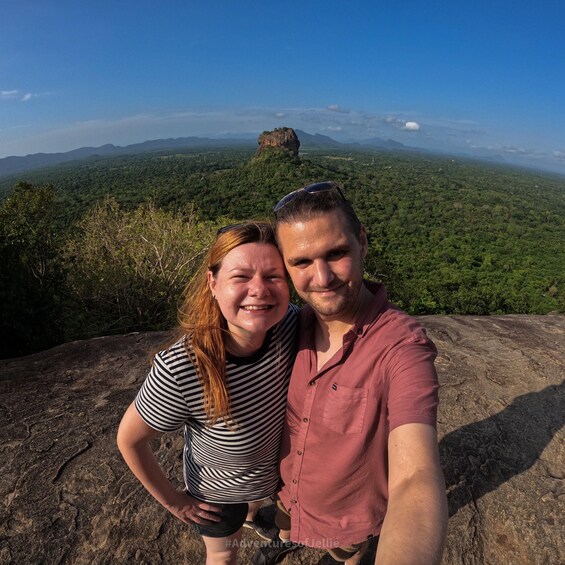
(252, 290)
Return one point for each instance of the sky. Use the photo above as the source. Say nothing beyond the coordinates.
(479, 77)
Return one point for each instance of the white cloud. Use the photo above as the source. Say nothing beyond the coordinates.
(16, 95)
(411, 126)
(8, 94)
(209, 123)
(336, 108)
(400, 123)
(441, 134)
(514, 150)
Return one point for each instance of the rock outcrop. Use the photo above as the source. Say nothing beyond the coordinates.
(67, 497)
(283, 138)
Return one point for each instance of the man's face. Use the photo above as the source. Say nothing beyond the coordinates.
(325, 262)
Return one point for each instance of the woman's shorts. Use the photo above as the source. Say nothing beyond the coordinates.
(233, 516)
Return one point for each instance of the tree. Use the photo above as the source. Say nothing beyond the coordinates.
(127, 269)
(29, 272)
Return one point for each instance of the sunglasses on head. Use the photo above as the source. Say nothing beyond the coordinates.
(315, 188)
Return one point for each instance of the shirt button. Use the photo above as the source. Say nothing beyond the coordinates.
(293, 501)
(312, 383)
(304, 419)
(299, 452)
(294, 481)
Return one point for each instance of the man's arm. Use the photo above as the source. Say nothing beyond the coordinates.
(415, 525)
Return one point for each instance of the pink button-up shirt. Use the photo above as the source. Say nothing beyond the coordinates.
(334, 455)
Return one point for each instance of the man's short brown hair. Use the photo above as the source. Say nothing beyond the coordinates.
(306, 206)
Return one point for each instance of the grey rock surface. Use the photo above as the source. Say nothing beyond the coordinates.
(67, 497)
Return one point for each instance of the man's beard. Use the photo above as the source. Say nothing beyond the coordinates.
(334, 305)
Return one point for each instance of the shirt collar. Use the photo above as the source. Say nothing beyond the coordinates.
(371, 314)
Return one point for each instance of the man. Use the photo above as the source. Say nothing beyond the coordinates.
(359, 456)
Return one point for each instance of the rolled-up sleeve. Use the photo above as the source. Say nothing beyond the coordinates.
(412, 382)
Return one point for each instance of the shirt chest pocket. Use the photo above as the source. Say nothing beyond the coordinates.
(344, 409)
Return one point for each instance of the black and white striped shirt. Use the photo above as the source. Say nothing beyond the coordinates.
(223, 465)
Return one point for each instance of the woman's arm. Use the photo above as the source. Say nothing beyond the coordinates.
(133, 440)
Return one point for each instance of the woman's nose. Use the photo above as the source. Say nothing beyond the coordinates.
(258, 287)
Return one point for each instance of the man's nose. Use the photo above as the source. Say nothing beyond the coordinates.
(323, 275)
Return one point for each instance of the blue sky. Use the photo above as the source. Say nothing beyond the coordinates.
(480, 77)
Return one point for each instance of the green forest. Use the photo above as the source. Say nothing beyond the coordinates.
(106, 246)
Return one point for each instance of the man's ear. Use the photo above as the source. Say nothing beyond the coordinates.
(364, 242)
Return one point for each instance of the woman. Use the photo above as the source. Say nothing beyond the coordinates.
(226, 381)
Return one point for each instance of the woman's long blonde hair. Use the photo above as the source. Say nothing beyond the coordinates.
(202, 324)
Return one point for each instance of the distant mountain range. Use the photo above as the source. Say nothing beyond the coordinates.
(318, 141)
(11, 166)
(15, 165)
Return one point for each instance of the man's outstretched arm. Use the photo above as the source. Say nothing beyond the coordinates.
(415, 525)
